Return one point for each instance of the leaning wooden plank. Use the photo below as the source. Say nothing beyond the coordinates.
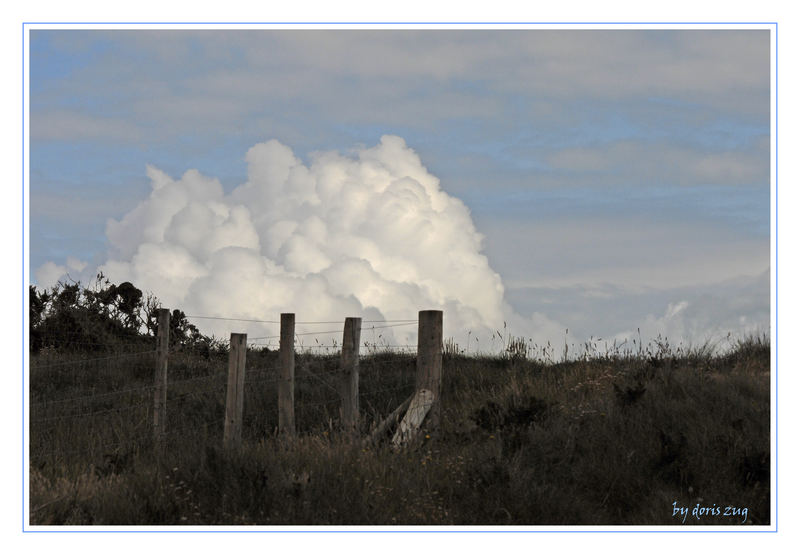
(389, 421)
(409, 426)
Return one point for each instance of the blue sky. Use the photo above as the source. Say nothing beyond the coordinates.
(620, 179)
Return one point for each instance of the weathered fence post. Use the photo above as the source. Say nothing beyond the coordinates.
(286, 382)
(234, 401)
(160, 389)
(429, 360)
(349, 380)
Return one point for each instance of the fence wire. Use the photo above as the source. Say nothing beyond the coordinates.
(93, 405)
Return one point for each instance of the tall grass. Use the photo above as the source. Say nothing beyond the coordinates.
(614, 438)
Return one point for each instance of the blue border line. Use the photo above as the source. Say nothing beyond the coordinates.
(776, 277)
(184, 23)
(24, 285)
(733, 531)
(484, 23)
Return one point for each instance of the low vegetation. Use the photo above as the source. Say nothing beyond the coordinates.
(617, 438)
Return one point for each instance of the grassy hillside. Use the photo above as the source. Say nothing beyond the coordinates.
(610, 439)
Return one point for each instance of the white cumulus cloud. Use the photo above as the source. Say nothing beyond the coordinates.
(369, 234)
(49, 273)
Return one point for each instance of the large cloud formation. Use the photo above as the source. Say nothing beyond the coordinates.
(371, 235)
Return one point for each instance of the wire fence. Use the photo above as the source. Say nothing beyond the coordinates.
(98, 405)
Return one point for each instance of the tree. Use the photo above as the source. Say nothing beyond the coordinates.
(100, 317)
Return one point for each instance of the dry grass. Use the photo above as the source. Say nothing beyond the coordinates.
(606, 439)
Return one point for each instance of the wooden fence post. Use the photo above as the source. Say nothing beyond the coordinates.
(160, 389)
(429, 361)
(349, 380)
(286, 382)
(234, 399)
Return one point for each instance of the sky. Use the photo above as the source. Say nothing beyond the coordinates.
(557, 185)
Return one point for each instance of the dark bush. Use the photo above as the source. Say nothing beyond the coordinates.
(102, 317)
